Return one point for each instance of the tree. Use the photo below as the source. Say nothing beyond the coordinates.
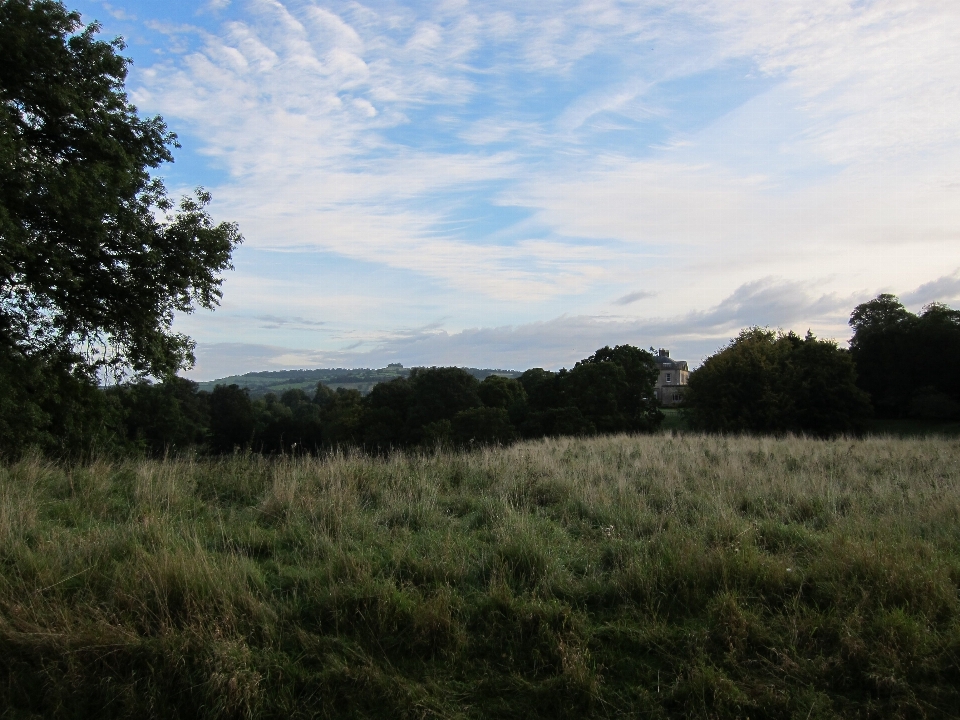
(542, 388)
(506, 394)
(777, 382)
(385, 424)
(820, 380)
(342, 414)
(594, 388)
(936, 340)
(292, 422)
(232, 420)
(881, 351)
(46, 404)
(94, 258)
(614, 389)
(610, 391)
(160, 418)
(909, 364)
(482, 426)
(439, 393)
(735, 390)
(882, 313)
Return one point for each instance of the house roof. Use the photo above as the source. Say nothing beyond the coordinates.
(666, 363)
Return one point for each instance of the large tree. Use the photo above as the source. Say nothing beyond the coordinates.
(909, 364)
(771, 382)
(880, 347)
(614, 389)
(95, 259)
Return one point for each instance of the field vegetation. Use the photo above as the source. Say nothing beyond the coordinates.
(618, 576)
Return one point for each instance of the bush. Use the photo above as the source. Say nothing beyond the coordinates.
(482, 425)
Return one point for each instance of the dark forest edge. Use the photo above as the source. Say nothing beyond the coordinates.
(901, 370)
(611, 391)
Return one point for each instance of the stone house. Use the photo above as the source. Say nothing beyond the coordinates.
(672, 380)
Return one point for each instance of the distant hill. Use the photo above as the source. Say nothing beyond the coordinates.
(362, 379)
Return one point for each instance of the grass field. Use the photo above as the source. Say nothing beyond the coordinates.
(653, 576)
(674, 420)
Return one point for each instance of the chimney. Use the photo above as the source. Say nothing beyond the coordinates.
(663, 353)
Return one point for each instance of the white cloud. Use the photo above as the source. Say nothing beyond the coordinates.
(878, 76)
(380, 134)
(561, 341)
(118, 13)
(554, 343)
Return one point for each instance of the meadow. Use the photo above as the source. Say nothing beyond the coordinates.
(624, 576)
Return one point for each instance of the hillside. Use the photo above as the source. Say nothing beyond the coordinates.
(362, 379)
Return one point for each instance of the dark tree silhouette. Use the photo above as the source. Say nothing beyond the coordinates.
(772, 383)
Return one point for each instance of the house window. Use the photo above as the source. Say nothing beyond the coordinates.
(668, 377)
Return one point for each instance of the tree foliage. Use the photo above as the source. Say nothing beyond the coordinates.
(95, 259)
(438, 394)
(909, 364)
(777, 382)
(444, 406)
(610, 391)
(159, 418)
(614, 389)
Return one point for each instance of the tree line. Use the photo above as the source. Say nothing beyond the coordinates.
(899, 365)
(610, 391)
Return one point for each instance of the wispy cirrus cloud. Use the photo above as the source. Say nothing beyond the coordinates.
(272, 322)
(503, 166)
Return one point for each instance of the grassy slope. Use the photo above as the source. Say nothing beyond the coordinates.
(261, 383)
(278, 381)
(650, 576)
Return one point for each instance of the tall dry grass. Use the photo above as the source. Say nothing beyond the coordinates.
(660, 575)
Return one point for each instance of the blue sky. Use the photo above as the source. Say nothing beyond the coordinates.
(515, 185)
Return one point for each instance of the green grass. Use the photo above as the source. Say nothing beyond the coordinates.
(673, 420)
(912, 427)
(653, 577)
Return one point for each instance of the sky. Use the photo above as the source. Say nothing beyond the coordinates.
(514, 185)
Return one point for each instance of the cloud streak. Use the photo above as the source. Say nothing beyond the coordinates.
(560, 341)
(944, 289)
(499, 165)
(633, 297)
